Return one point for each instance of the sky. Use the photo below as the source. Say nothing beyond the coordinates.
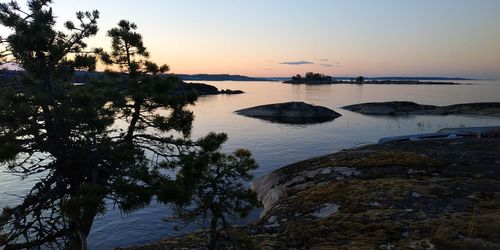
(283, 38)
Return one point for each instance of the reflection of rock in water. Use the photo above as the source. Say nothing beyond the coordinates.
(291, 113)
(297, 120)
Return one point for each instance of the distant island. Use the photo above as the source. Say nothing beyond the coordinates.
(309, 78)
(312, 78)
(79, 77)
(219, 77)
(83, 76)
(203, 89)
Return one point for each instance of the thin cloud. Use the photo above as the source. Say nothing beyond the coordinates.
(296, 63)
(339, 64)
(326, 65)
(324, 60)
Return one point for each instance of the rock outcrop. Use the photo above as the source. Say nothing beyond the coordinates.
(433, 194)
(398, 108)
(438, 194)
(204, 89)
(291, 112)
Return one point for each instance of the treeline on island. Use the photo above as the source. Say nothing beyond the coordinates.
(86, 76)
(318, 79)
(219, 77)
(68, 135)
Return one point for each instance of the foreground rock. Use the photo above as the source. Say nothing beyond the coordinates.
(435, 194)
(291, 112)
(411, 108)
(441, 194)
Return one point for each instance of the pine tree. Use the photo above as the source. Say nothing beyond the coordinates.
(146, 90)
(68, 135)
(112, 138)
(220, 193)
(154, 117)
(45, 125)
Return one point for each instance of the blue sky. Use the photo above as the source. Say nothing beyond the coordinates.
(272, 37)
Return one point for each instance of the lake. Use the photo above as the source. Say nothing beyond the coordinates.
(275, 145)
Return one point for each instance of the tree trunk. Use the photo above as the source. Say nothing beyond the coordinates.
(214, 234)
(135, 118)
(234, 242)
(78, 238)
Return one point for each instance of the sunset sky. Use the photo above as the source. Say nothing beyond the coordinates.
(282, 38)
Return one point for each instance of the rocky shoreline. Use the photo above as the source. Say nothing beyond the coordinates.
(431, 194)
(204, 89)
(401, 108)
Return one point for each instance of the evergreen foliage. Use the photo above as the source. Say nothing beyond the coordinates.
(220, 192)
(51, 128)
(360, 79)
(109, 139)
(312, 77)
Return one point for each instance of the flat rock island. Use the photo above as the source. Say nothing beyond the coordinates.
(399, 108)
(291, 113)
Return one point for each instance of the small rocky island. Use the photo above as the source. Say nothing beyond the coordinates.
(312, 78)
(204, 89)
(399, 108)
(291, 113)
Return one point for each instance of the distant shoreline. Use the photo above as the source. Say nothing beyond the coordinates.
(228, 77)
(221, 77)
(378, 82)
(393, 78)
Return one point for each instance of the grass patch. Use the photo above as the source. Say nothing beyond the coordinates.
(394, 158)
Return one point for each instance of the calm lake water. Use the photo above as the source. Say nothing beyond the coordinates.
(275, 145)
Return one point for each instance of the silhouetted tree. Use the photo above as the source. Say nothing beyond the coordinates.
(48, 126)
(109, 139)
(313, 78)
(156, 120)
(360, 79)
(220, 193)
(146, 90)
(206, 177)
(297, 77)
(69, 135)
